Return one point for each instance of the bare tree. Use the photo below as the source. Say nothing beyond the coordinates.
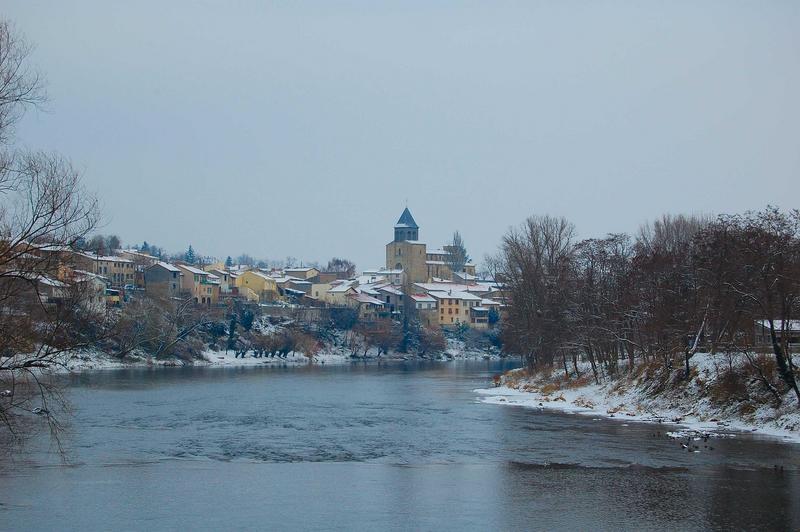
(534, 262)
(44, 212)
(457, 256)
(345, 266)
(21, 86)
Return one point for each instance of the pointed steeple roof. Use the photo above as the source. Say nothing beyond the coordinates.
(406, 220)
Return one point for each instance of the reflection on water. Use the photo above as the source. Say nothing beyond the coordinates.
(397, 446)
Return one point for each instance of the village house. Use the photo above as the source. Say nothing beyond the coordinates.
(395, 277)
(455, 307)
(195, 283)
(91, 290)
(339, 294)
(318, 291)
(257, 286)
(227, 283)
(300, 285)
(163, 280)
(141, 261)
(391, 297)
(306, 274)
(426, 309)
(369, 308)
(119, 270)
(788, 332)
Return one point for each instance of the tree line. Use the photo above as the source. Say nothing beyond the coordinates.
(682, 284)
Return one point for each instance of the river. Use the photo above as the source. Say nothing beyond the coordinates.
(398, 446)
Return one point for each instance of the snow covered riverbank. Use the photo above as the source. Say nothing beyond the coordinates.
(101, 361)
(328, 355)
(695, 406)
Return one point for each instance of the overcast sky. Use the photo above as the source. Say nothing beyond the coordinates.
(302, 129)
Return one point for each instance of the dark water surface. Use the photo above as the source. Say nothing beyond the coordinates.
(374, 447)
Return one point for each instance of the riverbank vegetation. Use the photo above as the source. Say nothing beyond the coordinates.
(611, 308)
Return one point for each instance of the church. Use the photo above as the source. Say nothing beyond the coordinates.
(419, 264)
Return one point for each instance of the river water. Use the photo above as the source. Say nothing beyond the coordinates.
(401, 446)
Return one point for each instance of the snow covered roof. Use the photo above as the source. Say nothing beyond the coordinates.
(477, 288)
(423, 298)
(466, 296)
(390, 289)
(370, 279)
(489, 303)
(364, 298)
(791, 325)
(51, 247)
(295, 292)
(298, 270)
(192, 269)
(341, 288)
(167, 266)
(382, 271)
(138, 253)
(263, 275)
(285, 279)
(47, 281)
(105, 258)
(367, 289)
(82, 275)
(439, 251)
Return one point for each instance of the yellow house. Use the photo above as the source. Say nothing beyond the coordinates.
(119, 270)
(198, 285)
(455, 307)
(254, 285)
(319, 291)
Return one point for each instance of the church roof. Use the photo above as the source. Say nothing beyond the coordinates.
(406, 220)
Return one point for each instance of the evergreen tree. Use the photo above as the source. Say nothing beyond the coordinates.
(190, 256)
(232, 333)
(228, 262)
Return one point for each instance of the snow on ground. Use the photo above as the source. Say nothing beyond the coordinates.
(633, 399)
(458, 349)
(335, 351)
(87, 361)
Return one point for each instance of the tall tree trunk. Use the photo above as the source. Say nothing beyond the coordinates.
(783, 367)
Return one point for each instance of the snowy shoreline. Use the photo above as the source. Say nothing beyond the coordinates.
(629, 399)
(97, 361)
